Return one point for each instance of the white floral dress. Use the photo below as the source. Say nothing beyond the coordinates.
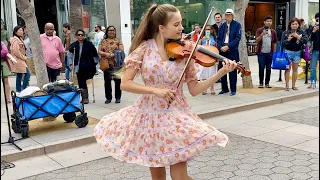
(149, 134)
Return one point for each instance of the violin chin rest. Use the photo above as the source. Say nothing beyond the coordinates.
(172, 59)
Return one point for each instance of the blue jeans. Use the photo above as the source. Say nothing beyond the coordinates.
(313, 65)
(67, 70)
(67, 74)
(278, 45)
(234, 55)
(265, 61)
(25, 80)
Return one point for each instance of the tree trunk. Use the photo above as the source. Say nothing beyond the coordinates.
(240, 11)
(75, 24)
(26, 8)
(75, 18)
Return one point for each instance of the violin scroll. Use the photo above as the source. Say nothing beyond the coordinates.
(241, 69)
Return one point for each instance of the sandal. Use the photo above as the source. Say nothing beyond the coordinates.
(260, 86)
(268, 86)
(295, 88)
(204, 93)
(286, 89)
(212, 91)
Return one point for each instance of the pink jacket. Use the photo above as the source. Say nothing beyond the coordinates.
(18, 51)
(4, 52)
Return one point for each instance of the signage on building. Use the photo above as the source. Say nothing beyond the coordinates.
(281, 15)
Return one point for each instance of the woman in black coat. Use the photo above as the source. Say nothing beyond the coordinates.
(85, 61)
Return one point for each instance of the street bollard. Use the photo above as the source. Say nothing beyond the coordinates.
(306, 72)
(280, 74)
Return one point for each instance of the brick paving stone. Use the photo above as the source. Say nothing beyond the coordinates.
(311, 117)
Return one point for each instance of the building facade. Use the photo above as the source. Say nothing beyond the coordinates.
(125, 15)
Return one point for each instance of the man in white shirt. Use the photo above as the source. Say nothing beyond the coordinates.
(97, 38)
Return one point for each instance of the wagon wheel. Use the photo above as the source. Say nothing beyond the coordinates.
(15, 122)
(69, 117)
(25, 131)
(82, 120)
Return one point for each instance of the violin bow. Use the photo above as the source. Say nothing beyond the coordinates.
(193, 50)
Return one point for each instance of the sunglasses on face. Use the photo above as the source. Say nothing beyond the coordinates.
(80, 34)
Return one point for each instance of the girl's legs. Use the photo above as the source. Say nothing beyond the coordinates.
(212, 90)
(287, 76)
(158, 173)
(179, 171)
(294, 75)
(204, 92)
(6, 82)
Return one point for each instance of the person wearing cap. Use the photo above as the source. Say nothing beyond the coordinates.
(303, 25)
(266, 38)
(315, 51)
(228, 40)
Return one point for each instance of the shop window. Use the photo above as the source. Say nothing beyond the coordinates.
(313, 9)
(94, 12)
(192, 11)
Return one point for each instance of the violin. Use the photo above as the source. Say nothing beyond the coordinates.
(204, 55)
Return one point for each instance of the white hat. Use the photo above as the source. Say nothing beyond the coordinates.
(229, 11)
(103, 28)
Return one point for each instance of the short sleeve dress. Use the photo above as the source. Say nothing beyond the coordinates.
(149, 134)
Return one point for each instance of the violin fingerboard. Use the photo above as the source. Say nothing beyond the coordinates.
(212, 54)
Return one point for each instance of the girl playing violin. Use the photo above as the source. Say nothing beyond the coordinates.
(148, 133)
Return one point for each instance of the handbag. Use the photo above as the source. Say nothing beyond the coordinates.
(280, 60)
(104, 64)
(119, 59)
(306, 54)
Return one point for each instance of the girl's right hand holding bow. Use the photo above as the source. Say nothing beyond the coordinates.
(167, 94)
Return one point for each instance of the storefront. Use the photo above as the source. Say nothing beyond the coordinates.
(56, 12)
(313, 9)
(192, 11)
(8, 16)
(258, 10)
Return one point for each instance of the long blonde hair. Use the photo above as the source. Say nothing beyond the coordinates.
(155, 16)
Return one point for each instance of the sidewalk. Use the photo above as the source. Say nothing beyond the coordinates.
(265, 143)
(206, 106)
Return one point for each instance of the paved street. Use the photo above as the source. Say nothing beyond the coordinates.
(242, 159)
(265, 150)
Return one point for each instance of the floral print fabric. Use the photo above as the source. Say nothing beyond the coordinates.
(108, 46)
